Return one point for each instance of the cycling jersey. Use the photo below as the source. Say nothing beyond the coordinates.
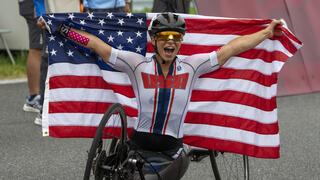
(162, 101)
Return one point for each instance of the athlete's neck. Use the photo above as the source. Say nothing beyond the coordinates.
(165, 65)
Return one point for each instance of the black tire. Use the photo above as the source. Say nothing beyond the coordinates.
(229, 165)
(108, 152)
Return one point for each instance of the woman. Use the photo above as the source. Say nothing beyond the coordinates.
(163, 83)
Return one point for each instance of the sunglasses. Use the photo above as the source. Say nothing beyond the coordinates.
(169, 35)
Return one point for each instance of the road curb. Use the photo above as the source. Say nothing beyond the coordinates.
(13, 81)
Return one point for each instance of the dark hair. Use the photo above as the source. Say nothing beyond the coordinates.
(167, 22)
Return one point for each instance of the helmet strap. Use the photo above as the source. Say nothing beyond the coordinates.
(157, 52)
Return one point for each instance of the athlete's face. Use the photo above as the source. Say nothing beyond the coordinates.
(168, 44)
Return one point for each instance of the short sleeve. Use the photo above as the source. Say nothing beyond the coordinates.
(113, 56)
(213, 58)
(203, 63)
(124, 60)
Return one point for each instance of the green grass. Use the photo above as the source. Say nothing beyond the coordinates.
(10, 71)
(145, 10)
(192, 10)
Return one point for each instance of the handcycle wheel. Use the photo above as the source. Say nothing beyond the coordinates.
(106, 155)
(229, 165)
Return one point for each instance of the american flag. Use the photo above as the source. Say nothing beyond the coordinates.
(232, 109)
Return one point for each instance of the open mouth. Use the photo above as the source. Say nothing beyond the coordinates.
(169, 50)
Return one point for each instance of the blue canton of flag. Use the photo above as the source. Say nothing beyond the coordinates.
(124, 31)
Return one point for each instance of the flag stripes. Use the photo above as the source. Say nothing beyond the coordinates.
(232, 109)
(232, 122)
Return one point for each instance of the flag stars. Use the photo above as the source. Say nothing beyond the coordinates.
(83, 22)
(52, 38)
(120, 33)
(129, 15)
(129, 40)
(110, 38)
(70, 53)
(110, 15)
(90, 15)
(140, 21)
(138, 49)
(101, 22)
(60, 43)
(139, 34)
(120, 47)
(53, 52)
(51, 15)
(49, 22)
(71, 16)
(101, 31)
(121, 22)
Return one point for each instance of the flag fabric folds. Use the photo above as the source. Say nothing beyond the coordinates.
(232, 109)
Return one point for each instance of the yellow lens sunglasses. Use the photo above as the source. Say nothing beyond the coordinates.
(169, 35)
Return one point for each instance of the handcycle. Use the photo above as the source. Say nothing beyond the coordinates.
(110, 156)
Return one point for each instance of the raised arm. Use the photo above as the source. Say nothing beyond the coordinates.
(244, 43)
(87, 40)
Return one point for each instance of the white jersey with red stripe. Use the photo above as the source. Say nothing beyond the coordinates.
(162, 101)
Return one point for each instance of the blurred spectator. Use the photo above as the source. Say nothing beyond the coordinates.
(26, 10)
(106, 5)
(63, 6)
(177, 6)
(50, 6)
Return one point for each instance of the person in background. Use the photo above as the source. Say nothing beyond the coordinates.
(106, 5)
(26, 10)
(176, 6)
(50, 6)
(63, 6)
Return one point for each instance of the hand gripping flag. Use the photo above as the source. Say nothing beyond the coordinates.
(232, 109)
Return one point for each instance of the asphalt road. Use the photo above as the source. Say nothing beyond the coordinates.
(25, 154)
